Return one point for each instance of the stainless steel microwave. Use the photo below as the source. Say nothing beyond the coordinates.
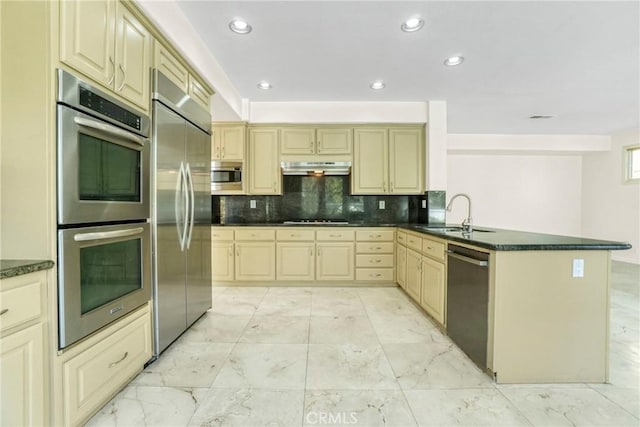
(226, 176)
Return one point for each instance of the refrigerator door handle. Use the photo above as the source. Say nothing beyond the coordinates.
(191, 197)
(178, 206)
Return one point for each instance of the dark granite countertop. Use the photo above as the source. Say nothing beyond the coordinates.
(18, 267)
(484, 237)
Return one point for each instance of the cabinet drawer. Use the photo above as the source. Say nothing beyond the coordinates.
(374, 235)
(433, 249)
(402, 238)
(375, 274)
(382, 260)
(414, 242)
(218, 234)
(93, 376)
(21, 304)
(335, 234)
(255, 234)
(291, 234)
(374, 248)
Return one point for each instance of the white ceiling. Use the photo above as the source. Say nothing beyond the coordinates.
(578, 61)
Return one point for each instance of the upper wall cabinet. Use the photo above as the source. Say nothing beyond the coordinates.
(228, 142)
(104, 41)
(307, 142)
(264, 170)
(178, 73)
(388, 160)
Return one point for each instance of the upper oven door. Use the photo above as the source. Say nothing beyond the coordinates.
(103, 171)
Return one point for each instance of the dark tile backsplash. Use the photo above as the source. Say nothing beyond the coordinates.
(307, 197)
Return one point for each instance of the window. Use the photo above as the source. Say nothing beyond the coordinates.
(632, 163)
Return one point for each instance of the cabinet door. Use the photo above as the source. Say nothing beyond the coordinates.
(335, 261)
(296, 261)
(22, 368)
(87, 31)
(222, 261)
(334, 140)
(406, 174)
(264, 170)
(133, 58)
(401, 266)
(433, 288)
(370, 161)
(232, 142)
(198, 92)
(413, 274)
(297, 141)
(255, 261)
(171, 67)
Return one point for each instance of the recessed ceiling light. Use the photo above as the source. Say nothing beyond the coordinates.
(264, 85)
(240, 26)
(412, 24)
(453, 61)
(377, 85)
(540, 116)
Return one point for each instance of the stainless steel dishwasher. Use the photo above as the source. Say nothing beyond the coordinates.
(468, 300)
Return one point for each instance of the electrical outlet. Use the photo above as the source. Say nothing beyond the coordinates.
(424, 204)
(381, 204)
(252, 204)
(578, 267)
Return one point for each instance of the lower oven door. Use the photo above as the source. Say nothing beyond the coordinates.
(104, 273)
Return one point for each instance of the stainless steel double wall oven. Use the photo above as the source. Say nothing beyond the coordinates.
(103, 209)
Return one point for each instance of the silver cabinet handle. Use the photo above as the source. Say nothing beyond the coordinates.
(4, 310)
(480, 263)
(84, 237)
(375, 235)
(124, 77)
(335, 235)
(107, 128)
(375, 248)
(375, 261)
(126, 353)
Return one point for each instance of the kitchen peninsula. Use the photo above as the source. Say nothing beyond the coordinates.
(548, 295)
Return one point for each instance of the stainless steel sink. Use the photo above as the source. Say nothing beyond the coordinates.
(448, 229)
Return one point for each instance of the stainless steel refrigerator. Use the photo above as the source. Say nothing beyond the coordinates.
(181, 214)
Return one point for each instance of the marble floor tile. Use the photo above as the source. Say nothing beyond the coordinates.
(148, 406)
(390, 307)
(214, 327)
(463, 407)
(277, 330)
(236, 304)
(336, 305)
(342, 330)
(285, 305)
(246, 291)
(627, 398)
(337, 292)
(245, 407)
(290, 290)
(349, 367)
(406, 329)
(568, 407)
(279, 366)
(434, 365)
(357, 407)
(186, 364)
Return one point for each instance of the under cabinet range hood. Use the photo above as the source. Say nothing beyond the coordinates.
(316, 168)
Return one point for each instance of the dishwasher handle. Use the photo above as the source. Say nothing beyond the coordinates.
(479, 263)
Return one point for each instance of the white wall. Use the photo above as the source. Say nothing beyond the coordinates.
(611, 207)
(528, 192)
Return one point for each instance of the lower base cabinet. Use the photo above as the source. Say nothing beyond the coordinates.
(255, 261)
(296, 261)
(401, 266)
(414, 274)
(433, 288)
(335, 261)
(90, 376)
(222, 261)
(21, 367)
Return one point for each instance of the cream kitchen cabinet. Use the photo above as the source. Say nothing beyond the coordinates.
(375, 255)
(222, 254)
(388, 160)
(433, 278)
(255, 254)
(103, 40)
(311, 141)
(171, 67)
(295, 254)
(335, 254)
(264, 170)
(22, 350)
(228, 142)
(401, 259)
(414, 274)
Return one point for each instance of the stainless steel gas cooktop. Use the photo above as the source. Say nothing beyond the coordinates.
(316, 221)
